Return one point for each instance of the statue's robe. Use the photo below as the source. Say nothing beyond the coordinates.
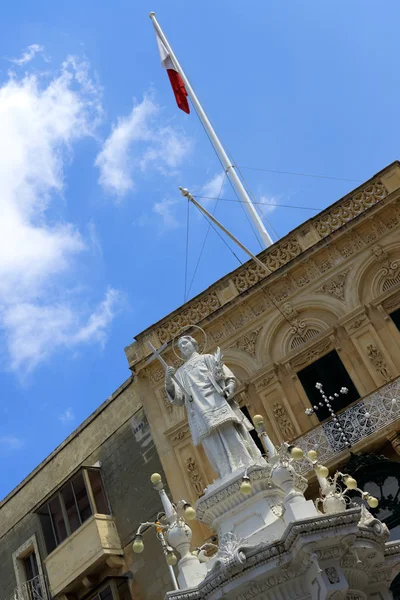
(216, 423)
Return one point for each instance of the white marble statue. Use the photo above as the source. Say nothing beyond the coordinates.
(215, 420)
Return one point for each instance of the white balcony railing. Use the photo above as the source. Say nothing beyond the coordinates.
(360, 420)
(34, 589)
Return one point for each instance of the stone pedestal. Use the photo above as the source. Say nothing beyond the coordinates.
(330, 557)
(226, 509)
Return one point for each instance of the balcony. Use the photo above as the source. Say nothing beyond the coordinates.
(34, 589)
(367, 419)
(82, 554)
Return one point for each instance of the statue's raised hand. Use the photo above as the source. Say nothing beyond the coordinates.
(169, 371)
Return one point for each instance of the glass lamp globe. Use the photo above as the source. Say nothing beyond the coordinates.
(171, 559)
(372, 501)
(296, 453)
(350, 482)
(155, 478)
(189, 513)
(322, 471)
(245, 486)
(138, 545)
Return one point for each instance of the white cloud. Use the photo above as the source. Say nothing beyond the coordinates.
(40, 120)
(10, 442)
(35, 331)
(268, 204)
(163, 209)
(67, 416)
(214, 188)
(28, 55)
(137, 144)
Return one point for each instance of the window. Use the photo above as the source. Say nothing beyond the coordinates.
(396, 318)
(330, 371)
(28, 571)
(71, 506)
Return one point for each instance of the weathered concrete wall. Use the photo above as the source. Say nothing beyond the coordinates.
(16, 536)
(118, 436)
(127, 461)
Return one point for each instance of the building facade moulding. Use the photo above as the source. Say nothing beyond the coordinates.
(284, 253)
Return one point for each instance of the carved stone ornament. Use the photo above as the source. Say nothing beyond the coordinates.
(194, 476)
(335, 286)
(378, 360)
(181, 435)
(264, 381)
(346, 211)
(247, 343)
(282, 418)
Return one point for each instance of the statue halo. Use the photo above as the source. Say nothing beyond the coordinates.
(181, 333)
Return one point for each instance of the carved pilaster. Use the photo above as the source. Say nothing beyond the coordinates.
(378, 360)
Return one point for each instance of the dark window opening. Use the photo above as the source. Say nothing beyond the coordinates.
(395, 316)
(253, 432)
(99, 496)
(71, 506)
(330, 371)
(31, 566)
(82, 498)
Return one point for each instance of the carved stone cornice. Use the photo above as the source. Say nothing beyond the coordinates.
(336, 217)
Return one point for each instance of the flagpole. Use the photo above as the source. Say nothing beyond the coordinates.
(227, 164)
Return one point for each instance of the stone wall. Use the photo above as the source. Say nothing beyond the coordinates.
(118, 436)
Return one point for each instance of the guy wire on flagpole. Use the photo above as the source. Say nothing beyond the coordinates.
(229, 168)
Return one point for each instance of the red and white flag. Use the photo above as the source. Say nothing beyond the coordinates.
(176, 80)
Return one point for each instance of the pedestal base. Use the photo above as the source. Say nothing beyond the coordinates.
(190, 572)
(342, 557)
(227, 510)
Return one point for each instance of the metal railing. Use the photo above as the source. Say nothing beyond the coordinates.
(360, 420)
(34, 589)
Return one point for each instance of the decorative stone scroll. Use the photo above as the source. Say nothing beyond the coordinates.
(195, 313)
(347, 210)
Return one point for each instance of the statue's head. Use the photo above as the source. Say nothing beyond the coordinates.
(187, 345)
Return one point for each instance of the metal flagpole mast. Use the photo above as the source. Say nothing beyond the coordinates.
(228, 166)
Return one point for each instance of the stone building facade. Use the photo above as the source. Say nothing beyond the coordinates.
(327, 312)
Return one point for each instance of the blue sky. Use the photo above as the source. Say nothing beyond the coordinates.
(93, 148)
